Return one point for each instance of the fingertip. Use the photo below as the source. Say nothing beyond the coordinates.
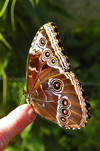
(31, 114)
(14, 123)
(22, 116)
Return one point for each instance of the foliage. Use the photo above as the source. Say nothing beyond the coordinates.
(19, 21)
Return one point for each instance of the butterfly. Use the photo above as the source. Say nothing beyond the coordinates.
(51, 88)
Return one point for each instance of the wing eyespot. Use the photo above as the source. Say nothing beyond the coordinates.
(64, 111)
(62, 119)
(53, 61)
(65, 102)
(42, 41)
(47, 54)
(57, 85)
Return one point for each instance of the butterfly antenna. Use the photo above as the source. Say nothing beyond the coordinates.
(16, 82)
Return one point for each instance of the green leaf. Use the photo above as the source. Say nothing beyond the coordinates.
(12, 14)
(4, 7)
(37, 2)
(4, 82)
(32, 2)
(5, 42)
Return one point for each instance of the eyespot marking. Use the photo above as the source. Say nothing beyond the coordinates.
(65, 102)
(64, 111)
(42, 41)
(53, 61)
(57, 85)
(47, 54)
(62, 119)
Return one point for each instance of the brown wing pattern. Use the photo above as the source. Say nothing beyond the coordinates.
(45, 53)
(48, 97)
(51, 88)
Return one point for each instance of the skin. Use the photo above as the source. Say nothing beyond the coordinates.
(14, 123)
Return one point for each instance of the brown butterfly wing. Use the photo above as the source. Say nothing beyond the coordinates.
(60, 100)
(47, 62)
(45, 56)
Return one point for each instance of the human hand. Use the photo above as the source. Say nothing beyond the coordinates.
(14, 123)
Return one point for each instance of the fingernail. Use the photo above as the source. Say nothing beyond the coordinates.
(31, 114)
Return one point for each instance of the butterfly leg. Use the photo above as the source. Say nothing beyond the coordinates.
(33, 110)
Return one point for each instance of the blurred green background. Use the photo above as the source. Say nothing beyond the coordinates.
(79, 25)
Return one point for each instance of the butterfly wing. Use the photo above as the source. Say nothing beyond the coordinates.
(51, 88)
(60, 99)
(46, 56)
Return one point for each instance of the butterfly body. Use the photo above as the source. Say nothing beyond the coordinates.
(51, 88)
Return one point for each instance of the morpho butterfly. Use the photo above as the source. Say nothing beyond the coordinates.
(51, 88)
